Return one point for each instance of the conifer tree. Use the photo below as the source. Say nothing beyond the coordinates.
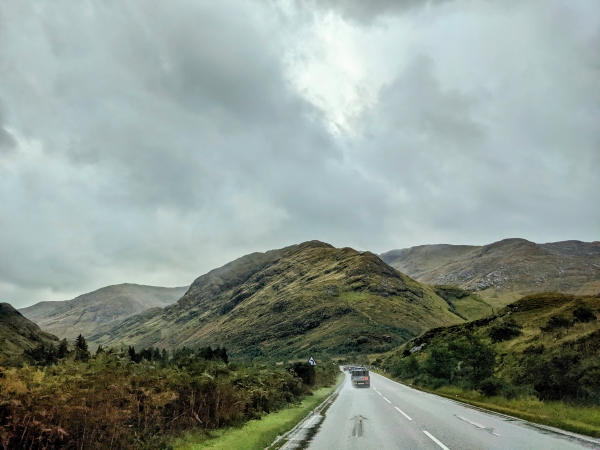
(63, 349)
(81, 349)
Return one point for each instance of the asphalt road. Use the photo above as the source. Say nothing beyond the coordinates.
(389, 415)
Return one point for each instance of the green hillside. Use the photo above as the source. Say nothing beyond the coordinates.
(292, 302)
(547, 345)
(18, 333)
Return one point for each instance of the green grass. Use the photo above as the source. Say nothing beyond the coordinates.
(578, 419)
(255, 434)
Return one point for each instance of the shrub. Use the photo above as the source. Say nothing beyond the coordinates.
(466, 361)
(504, 331)
(556, 378)
(584, 314)
(556, 322)
(491, 387)
(305, 372)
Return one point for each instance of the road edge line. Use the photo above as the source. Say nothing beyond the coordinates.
(310, 416)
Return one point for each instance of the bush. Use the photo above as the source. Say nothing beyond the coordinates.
(504, 331)
(556, 322)
(556, 378)
(584, 314)
(305, 372)
(466, 362)
(405, 368)
(491, 387)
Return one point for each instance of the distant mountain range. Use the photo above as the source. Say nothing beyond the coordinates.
(101, 309)
(295, 301)
(506, 270)
(17, 333)
(313, 297)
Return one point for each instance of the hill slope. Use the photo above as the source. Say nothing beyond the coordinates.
(18, 333)
(104, 308)
(291, 302)
(547, 344)
(506, 270)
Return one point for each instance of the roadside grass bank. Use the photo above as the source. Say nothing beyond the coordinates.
(577, 419)
(256, 434)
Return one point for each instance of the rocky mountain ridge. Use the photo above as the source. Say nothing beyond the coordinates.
(506, 270)
(103, 308)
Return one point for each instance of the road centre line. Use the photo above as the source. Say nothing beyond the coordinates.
(379, 392)
(386, 400)
(432, 437)
(403, 413)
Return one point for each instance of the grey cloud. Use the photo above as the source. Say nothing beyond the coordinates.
(7, 142)
(365, 12)
(415, 103)
(158, 140)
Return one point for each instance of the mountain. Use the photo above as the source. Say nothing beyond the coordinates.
(17, 333)
(299, 300)
(104, 308)
(506, 270)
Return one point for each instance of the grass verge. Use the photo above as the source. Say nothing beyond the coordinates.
(255, 434)
(577, 419)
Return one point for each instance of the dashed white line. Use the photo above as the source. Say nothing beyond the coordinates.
(379, 392)
(432, 437)
(386, 400)
(403, 413)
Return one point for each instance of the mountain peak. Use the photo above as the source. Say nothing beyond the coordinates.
(285, 302)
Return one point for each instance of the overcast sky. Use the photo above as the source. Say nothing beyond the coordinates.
(151, 141)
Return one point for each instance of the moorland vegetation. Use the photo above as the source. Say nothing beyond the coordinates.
(544, 347)
(128, 399)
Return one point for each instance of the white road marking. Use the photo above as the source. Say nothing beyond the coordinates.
(403, 413)
(374, 387)
(472, 423)
(386, 400)
(432, 437)
(379, 392)
(478, 425)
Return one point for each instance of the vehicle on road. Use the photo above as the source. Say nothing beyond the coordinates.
(360, 377)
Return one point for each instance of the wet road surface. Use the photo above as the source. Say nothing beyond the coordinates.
(389, 415)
